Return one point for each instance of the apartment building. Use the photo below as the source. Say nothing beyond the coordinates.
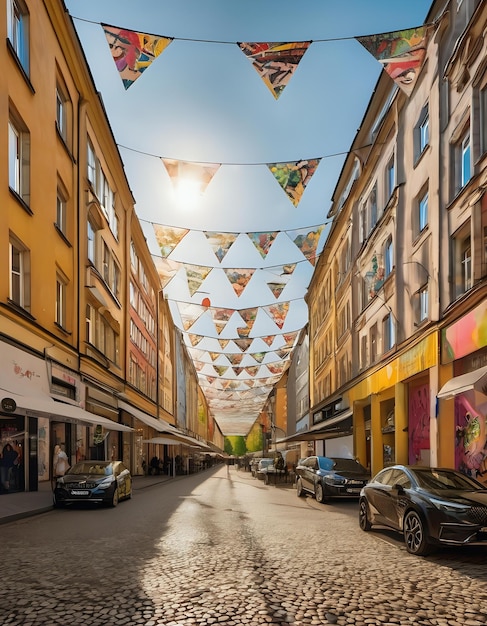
(86, 338)
(400, 286)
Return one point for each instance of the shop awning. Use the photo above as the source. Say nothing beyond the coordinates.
(335, 425)
(179, 439)
(44, 406)
(476, 380)
(157, 424)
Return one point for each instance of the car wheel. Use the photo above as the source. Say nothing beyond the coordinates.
(320, 494)
(299, 488)
(415, 534)
(363, 515)
(115, 498)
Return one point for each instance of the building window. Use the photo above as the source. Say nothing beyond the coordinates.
(423, 212)
(19, 159)
(389, 332)
(388, 257)
(423, 304)
(422, 133)
(90, 324)
(101, 188)
(60, 318)
(363, 351)
(373, 343)
(465, 167)
(62, 113)
(91, 242)
(91, 165)
(483, 120)
(466, 260)
(372, 207)
(19, 274)
(18, 31)
(390, 178)
(61, 212)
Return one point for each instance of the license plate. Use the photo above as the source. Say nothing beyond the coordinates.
(354, 490)
(80, 492)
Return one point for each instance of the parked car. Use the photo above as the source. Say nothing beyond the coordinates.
(104, 482)
(262, 466)
(330, 477)
(428, 506)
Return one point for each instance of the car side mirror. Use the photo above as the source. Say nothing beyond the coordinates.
(397, 487)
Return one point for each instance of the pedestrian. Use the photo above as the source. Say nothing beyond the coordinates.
(60, 463)
(7, 463)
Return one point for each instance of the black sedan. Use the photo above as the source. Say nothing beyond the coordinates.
(428, 506)
(104, 482)
(330, 477)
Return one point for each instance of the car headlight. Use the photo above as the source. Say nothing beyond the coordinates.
(449, 507)
(105, 483)
(335, 480)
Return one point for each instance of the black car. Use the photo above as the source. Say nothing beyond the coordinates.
(428, 506)
(104, 482)
(330, 477)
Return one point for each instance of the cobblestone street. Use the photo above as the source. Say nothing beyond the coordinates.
(223, 548)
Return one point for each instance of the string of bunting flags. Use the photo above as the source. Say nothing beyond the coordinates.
(401, 53)
(236, 366)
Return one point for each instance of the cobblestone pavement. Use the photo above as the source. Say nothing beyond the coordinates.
(223, 548)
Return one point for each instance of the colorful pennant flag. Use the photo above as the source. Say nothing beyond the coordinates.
(276, 288)
(187, 172)
(307, 241)
(401, 53)
(166, 269)
(220, 242)
(239, 278)
(243, 344)
(195, 275)
(277, 312)
(235, 359)
(189, 313)
(133, 52)
(220, 369)
(294, 177)
(290, 338)
(258, 356)
(223, 343)
(194, 339)
(269, 339)
(168, 237)
(220, 318)
(252, 370)
(275, 62)
(263, 241)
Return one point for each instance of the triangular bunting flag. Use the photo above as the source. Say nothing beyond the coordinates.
(276, 288)
(290, 338)
(252, 370)
(133, 52)
(283, 353)
(221, 317)
(235, 359)
(307, 241)
(243, 344)
(268, 340)
(401, 53)
(220, 369)
(239, 278)
(263, 241)
(237, 370)
(277, 312)
(214, 355)
(166, 269)
(189, 314)
(293, 177)
(243, 331)
(258, 356)
(288, 269)
(196, 274)
(194, 339)
(198, 365)
(188, 174)
(220, 242)
(210, 379)
(275, 62)
(168, 237)
(223, 343)
(277, 368)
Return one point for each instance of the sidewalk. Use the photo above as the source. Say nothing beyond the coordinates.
(18, 505)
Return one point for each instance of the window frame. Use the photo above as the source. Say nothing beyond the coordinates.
(390, 177)
(423, 206)
(18, 23)
(61, 301)
(388, 332)
(19, 274)
(19, 158)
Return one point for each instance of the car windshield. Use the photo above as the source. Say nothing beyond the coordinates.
(341, 465)
(98, 468)
(443, 479)
(266, 462)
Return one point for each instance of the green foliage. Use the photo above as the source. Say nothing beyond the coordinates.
(227, 446)
(254, 439)
(235, 445)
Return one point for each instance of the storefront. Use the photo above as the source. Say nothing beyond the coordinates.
(463, 398)
(34, 418)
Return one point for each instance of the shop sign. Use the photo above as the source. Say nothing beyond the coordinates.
(8, 405)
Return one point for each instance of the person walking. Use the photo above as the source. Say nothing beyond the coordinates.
(60, 463)
(7, 463)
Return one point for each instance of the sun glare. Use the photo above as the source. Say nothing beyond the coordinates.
(188, 193)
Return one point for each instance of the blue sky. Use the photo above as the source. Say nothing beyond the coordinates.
(203, 101)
